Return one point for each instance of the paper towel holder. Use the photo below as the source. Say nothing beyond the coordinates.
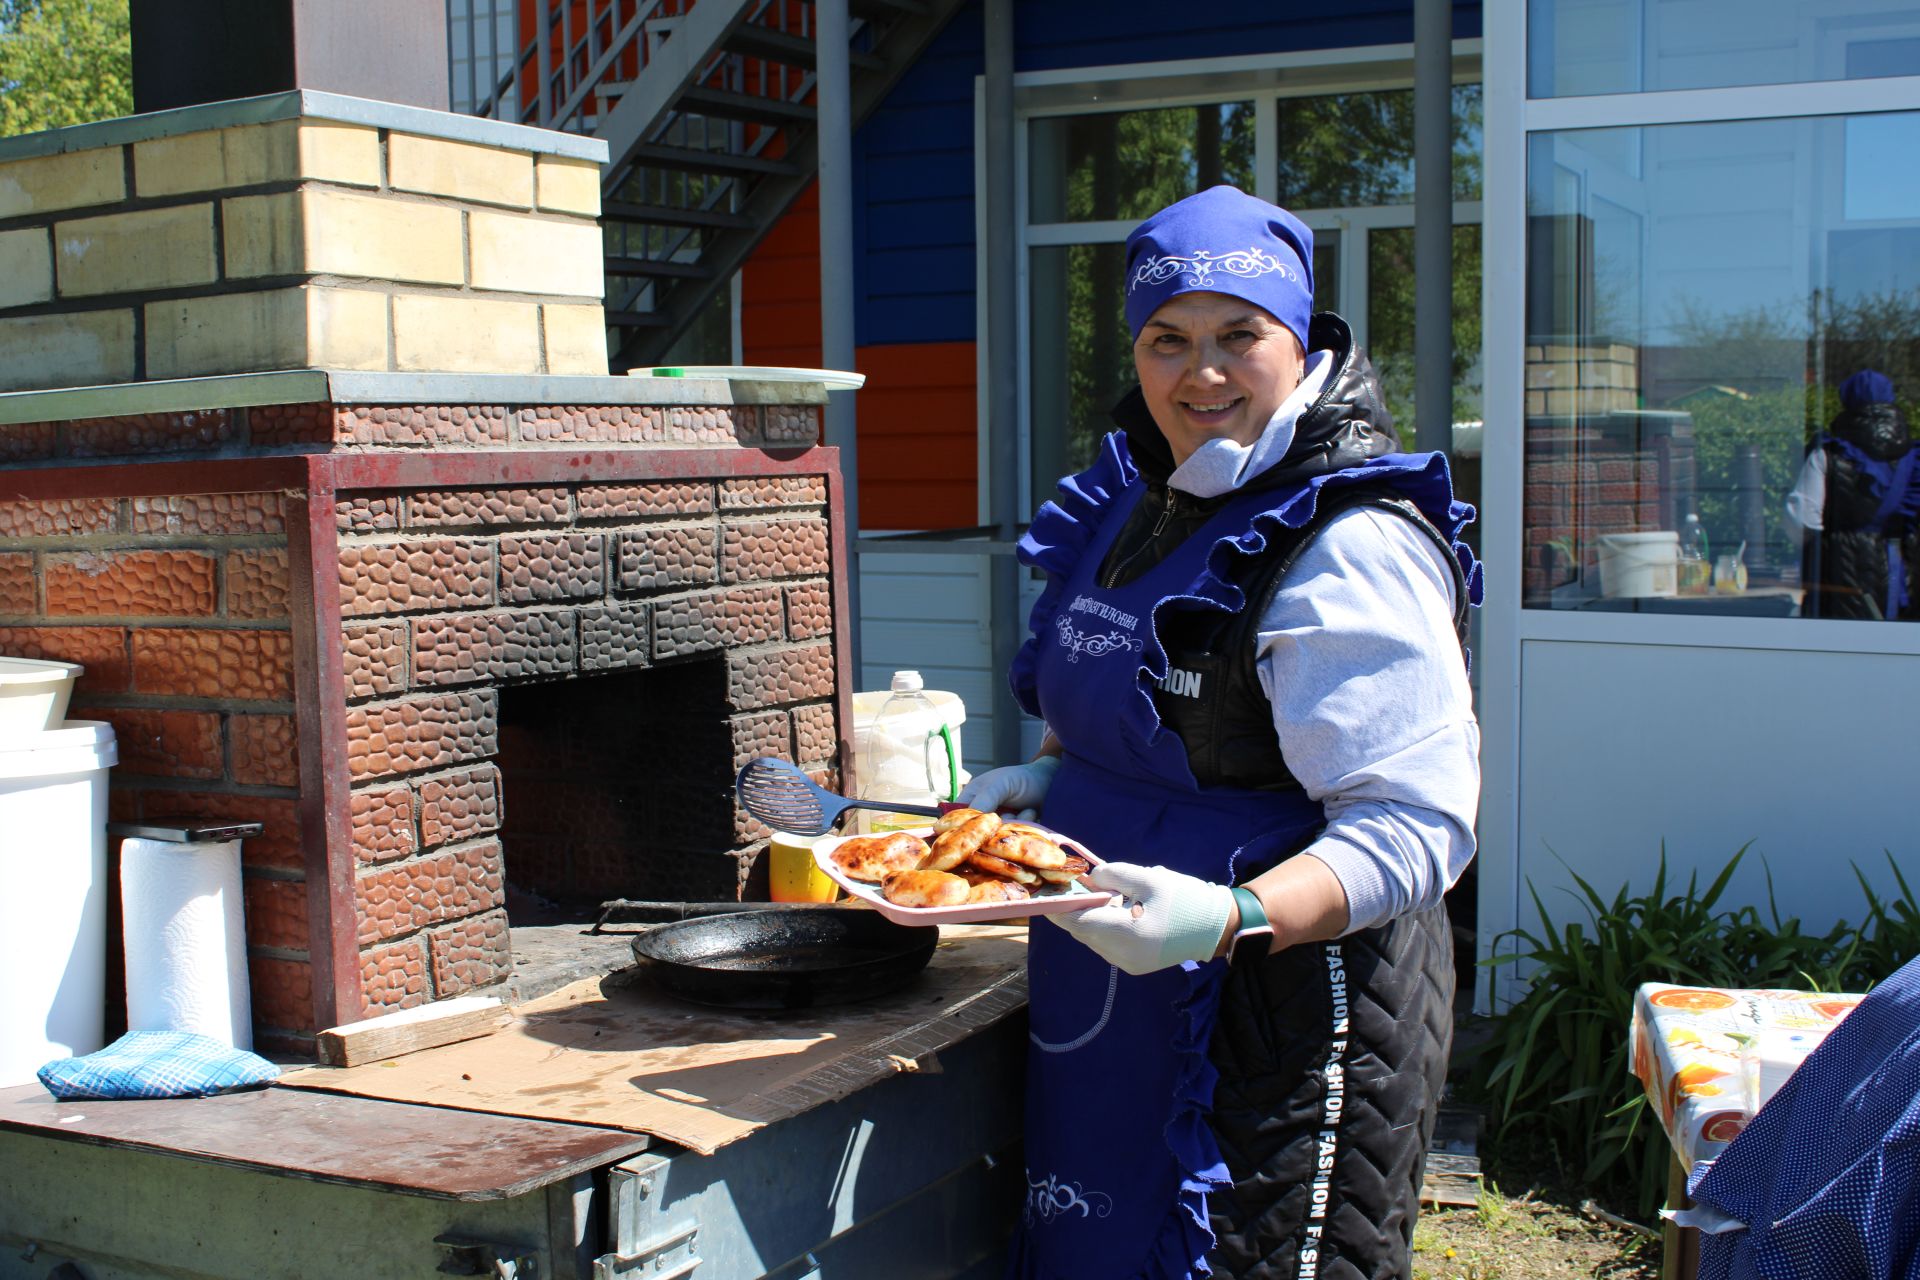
(211, 833)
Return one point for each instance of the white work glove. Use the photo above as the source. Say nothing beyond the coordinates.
(1159, 919)
(1019, 787)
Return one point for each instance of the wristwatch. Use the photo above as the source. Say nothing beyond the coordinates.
(1254, 938)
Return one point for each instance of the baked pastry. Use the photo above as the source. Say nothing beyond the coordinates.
(953, 818)
(873, 858)
(1076, 867)
(925, 889)
(991, 889)
(1001, 868)
(1026, 849)
(951, 847)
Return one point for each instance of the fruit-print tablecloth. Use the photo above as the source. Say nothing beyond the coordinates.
(1687, 1044)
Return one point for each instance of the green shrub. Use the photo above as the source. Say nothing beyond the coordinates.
(1555, 1073)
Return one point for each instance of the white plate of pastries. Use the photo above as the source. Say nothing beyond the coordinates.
(968, 867)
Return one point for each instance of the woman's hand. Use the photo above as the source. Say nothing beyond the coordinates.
(1160, 917)
(1020, 787)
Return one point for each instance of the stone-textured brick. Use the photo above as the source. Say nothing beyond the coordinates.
(754, 492)
(395, 577)
(281, 992)
(430, 731)
(757, 734)
(318, 231)
(264, 750)
(535, 255)
(567, 186)
(790, 423)
(472, 953)
(814, 733)
(809, 610)
(355, 514)
(376, 659)
(276, 913)
(789, 673)
(762, 549)
(459, 806)
(101, 650)
(133, 252)
(249, 155)
(276, 847)
(177, 584)
(465, 334)
(215, 513)
(17, 595)
(213, 664)
(183, 432)
(422, 424)
(401, 897)
(463, 170)
(56, 517)
(28, 441)
(710, 619)
(382, 819)
(77, 349)
(308, 327)
(614, 636)
(257, 583)
(663, 498)
(430, 508)
(569, 566)
(596, 424)
(576, 338)
(163, 744)
(394, 977)
(494, 646)
(703, 423)
(282, 424)
(669, 556)
(26, 267)
(70, 180)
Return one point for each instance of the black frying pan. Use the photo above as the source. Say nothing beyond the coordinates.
(784, 959)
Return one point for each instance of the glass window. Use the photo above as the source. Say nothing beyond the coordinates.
(1124, 165)
(1390, 322)
(1082, 354)
(1633, 46)
(1354, 150)
(1722, 362)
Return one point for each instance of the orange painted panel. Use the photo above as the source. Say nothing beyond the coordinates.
(918, 436)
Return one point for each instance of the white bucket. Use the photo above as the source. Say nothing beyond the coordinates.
(53, 894)
(34, 693)
(948, 713)
(1634, 565)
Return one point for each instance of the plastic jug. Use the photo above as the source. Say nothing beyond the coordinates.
(899, 763)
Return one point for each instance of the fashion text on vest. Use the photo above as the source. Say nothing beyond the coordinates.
(1184, 683)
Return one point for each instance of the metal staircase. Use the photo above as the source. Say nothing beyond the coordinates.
(707, 110)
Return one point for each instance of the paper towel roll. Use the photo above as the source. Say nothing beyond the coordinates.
(186, 939)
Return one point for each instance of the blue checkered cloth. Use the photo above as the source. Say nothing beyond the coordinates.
(1827, 1177)
(157, 1064)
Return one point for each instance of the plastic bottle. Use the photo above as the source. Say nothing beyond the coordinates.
(898, 764)
(1696, 569)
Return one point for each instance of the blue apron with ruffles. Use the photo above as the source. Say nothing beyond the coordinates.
(1119, 1154)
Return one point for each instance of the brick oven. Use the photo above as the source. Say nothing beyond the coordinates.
(310, 463)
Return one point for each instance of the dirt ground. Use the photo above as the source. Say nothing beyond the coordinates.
(1538, 1235)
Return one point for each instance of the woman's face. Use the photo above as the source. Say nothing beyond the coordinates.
(1214, 367)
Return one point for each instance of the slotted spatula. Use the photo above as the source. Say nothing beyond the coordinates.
(779, 794)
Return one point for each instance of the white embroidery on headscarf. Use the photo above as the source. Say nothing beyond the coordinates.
(1245, 263)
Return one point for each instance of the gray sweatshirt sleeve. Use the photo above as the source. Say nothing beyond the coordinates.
(1375, 717)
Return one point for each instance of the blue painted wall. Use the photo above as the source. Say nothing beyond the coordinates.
(913, 241)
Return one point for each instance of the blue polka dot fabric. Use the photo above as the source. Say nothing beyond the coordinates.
(1827, 1176)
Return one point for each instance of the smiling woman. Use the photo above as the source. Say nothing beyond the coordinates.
(1214, 367)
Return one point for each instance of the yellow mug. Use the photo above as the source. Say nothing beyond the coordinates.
(793, 874)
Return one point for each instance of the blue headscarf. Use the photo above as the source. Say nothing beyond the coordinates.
(1222, 241)
(1866, 387)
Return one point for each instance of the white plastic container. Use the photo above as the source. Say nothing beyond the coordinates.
(53, 894)
(948, 713)
(1639, 565)
(33, 694)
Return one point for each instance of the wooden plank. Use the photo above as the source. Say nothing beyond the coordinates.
(324, 1137)
(424, 1027)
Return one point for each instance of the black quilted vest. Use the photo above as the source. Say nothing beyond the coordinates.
(1845, 564)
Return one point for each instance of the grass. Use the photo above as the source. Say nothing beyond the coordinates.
(1539, 1235)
